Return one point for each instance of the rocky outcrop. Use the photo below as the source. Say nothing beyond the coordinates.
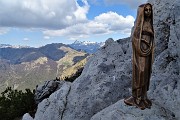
(53, 107)
(102, 82)
(27, 117)
(120, 111)
(165, 84)
(106, 78)
(45, 90)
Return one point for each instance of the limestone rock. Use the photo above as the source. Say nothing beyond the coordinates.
(45, 90)
(120, 111)
(103, 82)
(27, 117)
(53, 107)
(166, 25)
(165, 85)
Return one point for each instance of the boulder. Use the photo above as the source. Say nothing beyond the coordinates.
(105, 80)
(45, 90)
(120, 111)
(52, 108)
(27, 117)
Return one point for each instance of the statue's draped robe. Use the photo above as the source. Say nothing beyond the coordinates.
(143, 52)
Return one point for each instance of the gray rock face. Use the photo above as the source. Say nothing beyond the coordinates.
(120, 111)
(45, 90)
(107, 77)
(53, 107)
(102, 82)
(165, 84)
(27, 117)
(166, 25)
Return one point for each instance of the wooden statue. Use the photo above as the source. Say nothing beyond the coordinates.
(143, 53)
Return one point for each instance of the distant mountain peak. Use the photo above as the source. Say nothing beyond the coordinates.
(77, 42)
(5, 45)
(84, 42)
(88, 46)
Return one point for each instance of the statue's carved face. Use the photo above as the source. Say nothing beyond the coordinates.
(147, 10)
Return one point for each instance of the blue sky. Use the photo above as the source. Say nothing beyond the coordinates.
(40, 22)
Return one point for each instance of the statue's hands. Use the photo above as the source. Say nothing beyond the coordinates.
(145, 42)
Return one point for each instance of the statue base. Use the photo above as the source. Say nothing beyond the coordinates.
(141, 104)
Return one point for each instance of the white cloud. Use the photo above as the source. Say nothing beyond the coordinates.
(115, 22)
(81, 12)
(47, 37)
(3, 31)
(105, 23)
(131, 3)
(26, 39)
(62, 18)
(81, 30)
(50, 14)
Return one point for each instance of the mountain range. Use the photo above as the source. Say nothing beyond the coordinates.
(87, 46)
(24, 67)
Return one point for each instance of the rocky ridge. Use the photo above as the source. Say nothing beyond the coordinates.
(106, 79)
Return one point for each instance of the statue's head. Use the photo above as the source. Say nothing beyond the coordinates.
(147, 10)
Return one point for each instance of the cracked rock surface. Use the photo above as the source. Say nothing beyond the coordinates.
(27, 117)
(45, 90)
(103, 82)
(53, 107)
(120, 111)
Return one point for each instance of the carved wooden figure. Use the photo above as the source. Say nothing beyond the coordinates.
(143, 55)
